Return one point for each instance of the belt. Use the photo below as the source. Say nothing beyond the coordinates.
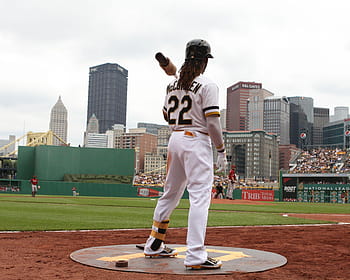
(191, 133)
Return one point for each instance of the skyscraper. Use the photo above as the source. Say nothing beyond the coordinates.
(340, 113)
(336, 134)
(321, 118)
(92, 126)
(237, 104)
(255, 104)
(58, 121)
(301, 120)
(276, 117)
(108, 95)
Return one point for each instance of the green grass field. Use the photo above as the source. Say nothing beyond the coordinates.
(25, 213)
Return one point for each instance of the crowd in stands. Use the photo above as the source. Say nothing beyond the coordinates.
(322, 160)
(9, 188)
(156, 180)
(346, 167)
(220, 184)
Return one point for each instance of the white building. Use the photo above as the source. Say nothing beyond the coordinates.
(340, 113)
(256, 108)
(114, 136)
(110, 139)
(96, 140)
(58, 122)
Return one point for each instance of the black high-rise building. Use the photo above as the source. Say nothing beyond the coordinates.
(301, 121)
(108, 95)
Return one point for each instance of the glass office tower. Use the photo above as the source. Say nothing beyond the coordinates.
(107, 95)
(301, 121)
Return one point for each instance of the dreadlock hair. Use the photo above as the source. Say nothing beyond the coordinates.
(189, 71)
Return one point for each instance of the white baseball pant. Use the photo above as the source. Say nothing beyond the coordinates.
(190, 164)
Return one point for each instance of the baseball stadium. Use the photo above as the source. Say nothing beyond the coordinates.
(91, 212)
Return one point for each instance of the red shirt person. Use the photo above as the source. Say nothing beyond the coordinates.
(232, 175)
(34, 181)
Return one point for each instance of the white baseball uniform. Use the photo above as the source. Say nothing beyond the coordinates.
(190, 164)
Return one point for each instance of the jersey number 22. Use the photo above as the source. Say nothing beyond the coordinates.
(186, 105)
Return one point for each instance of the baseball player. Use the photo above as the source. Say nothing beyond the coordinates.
(191, 109)
(232, 179)
(34, 181)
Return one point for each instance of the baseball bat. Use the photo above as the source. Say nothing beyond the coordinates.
(166, 64)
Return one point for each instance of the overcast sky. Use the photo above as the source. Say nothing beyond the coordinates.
(294, 48)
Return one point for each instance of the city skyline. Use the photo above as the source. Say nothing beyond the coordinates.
(335, 117)
(46, 52)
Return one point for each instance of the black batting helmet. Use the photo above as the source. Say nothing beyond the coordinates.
(198, 49)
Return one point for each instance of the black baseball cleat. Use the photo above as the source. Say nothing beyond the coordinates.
(210, 263)
(166, 253)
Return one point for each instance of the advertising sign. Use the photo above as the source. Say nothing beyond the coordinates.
(289, 189)
(247, 85)
(258, 195)
(148, 192)
(303, 135)
(289, 193)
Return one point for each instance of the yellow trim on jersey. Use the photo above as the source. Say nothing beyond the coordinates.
(212, 113)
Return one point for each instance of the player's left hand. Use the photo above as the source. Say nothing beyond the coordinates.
(221, 162)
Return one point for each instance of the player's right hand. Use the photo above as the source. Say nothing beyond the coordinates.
(221, 162)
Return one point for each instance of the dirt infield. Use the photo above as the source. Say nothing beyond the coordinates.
(313, 252)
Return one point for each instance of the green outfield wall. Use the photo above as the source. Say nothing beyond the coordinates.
(93, 171)
(65, 188)
(51, 163)
(84, 189)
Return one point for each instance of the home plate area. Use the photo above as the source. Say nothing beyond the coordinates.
(131, 258)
